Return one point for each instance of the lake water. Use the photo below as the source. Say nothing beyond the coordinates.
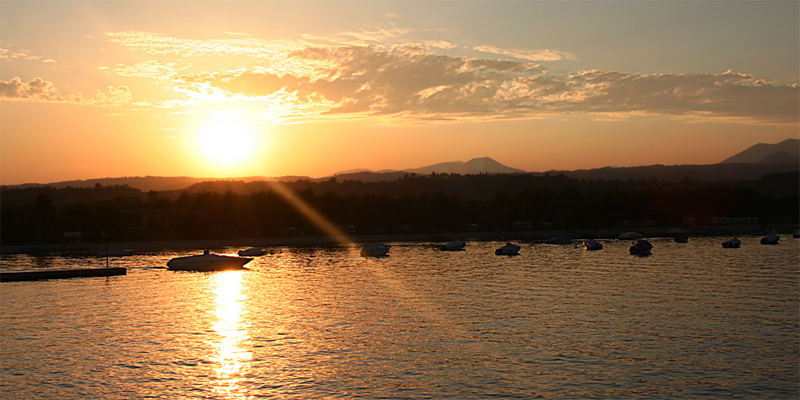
(691, 321)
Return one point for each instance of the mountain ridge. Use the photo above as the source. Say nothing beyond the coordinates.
(752, 163)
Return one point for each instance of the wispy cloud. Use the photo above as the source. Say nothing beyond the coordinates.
(530, 55)
(147, 69)
(10, 54)
(358, 37)
(157, 44)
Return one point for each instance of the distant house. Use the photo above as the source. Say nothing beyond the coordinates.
(732, 220)
(521, 225)
(73, 237)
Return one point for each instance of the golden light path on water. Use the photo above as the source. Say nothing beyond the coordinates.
(232, 352)
(432, 312)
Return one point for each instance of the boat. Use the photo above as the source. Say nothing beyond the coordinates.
(770, 238)
(375, 250)
(207, 262)
(641, 248)
(796, 234)
(629, 236)
(732, 243)
(592, 245)
(559, 240)
(455, 245)
(509, 249)
(252, 252)
(681, 238)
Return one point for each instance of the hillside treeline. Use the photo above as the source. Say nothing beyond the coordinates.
(438, 203)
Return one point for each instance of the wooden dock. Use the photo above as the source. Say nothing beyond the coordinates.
(15, 276)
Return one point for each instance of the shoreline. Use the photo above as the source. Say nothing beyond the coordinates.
(96, 248)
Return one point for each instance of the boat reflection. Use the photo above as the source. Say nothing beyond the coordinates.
(233, 354)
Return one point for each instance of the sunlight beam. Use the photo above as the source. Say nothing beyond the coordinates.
(310, 213)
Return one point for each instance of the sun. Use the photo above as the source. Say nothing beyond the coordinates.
(226, 139)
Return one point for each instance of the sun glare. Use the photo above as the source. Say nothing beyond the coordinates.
(226, 139)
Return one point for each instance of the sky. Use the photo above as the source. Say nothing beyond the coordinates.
(92, 89)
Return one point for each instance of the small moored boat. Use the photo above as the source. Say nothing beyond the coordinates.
(629, 236)
(252, 252)
(641, 248)
(732, 243)
(454, 245)
(207, 262)
(770, 238)
(509, 249)
(375, 250)
(562, 239)
(592, 245)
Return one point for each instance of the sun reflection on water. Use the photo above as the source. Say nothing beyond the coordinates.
(233, 353)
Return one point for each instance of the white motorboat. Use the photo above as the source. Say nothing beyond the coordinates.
(732, 244)
(630, 236)
(454, 245)
(207, 262)
(252, 252)
(375, 250)
(592, 245)
(510, 249)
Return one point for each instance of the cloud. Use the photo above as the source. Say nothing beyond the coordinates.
(728, 94)
(411, 82)
(113, 96)
(340, 75)
(40, 90)
(36, 89)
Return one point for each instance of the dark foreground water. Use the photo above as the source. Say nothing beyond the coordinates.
(691, 321)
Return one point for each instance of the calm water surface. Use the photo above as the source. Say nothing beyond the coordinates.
(693, 320)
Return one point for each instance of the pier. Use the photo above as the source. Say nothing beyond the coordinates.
(16, 276)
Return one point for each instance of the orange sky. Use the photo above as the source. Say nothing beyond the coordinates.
(91, 90)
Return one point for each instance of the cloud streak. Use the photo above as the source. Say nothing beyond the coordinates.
(530, 55)
(10, 54)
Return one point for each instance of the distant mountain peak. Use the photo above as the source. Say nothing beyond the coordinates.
(785, 152)
(479, 165)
